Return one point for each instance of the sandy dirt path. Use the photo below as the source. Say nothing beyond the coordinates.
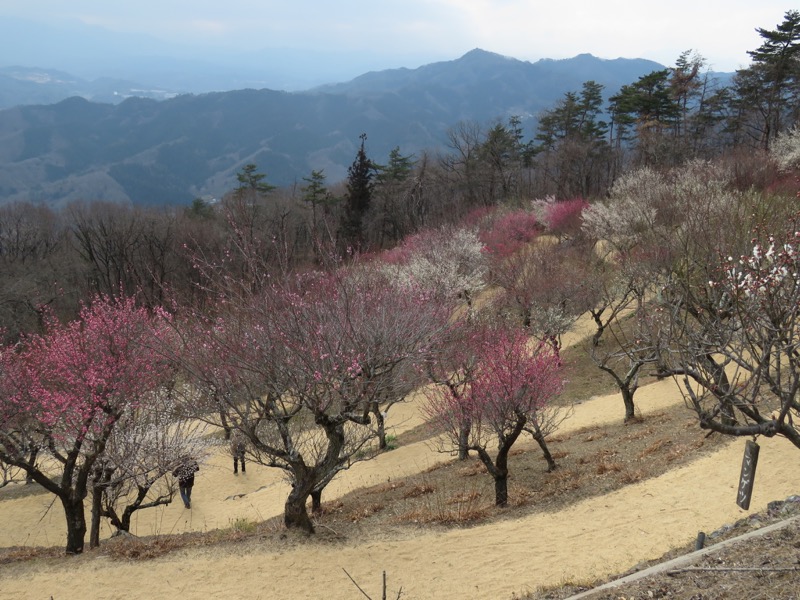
(595, 537)
(220, 497)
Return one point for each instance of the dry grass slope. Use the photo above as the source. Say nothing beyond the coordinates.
(595, 461)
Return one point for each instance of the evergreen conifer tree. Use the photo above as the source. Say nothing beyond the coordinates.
(358, 199)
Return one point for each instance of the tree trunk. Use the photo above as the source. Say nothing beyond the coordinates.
(381, 426)
(627, 399)
(539, 437)
(123, 523)
(102, 476)
(499, 470)
(728, 417)
(463, 441)
(316, 500)
(500, 474)
(551, 463)
(295, 515)
(501, 489)
(223, 419)
(628, 387)
(723, 385)
(76, 524)
(94, 531)
(31, 461)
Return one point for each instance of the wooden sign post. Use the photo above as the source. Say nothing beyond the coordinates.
(748, 475)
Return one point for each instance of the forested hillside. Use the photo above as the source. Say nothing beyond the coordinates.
(169, 152)
(296, 317)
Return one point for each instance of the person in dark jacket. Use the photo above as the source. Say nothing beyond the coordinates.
(238, 447)
(185, 474)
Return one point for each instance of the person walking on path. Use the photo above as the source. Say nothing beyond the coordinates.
(238, 447)
(185, 474)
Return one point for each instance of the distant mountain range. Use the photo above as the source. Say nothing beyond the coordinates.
(198, 66)
(26, 85)
(169, 151)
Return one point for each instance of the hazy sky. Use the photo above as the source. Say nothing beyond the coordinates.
(430, 30)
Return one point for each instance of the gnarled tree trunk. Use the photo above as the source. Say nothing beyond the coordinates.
(76, 523)
(501, 489)
(295, 515)
(538, 435)
(380, 424)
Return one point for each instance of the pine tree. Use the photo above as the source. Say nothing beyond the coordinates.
(768, 91)
(393, 187)
(317, 195)
(397, 170)
(358, 199)
(571, 142)
(252, 184)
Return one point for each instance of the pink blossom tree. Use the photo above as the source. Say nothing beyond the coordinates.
(563, 218)
(452, 370)
(66, 391)
(504, 235)
(299, 367)
(507, 394)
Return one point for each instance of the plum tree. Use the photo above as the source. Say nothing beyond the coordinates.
(66, 391)
(298, 368)
(507, 393)
(738, 353)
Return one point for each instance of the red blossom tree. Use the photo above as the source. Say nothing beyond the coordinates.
(564, 218)
(66, 391)
(508, 233)
(507, 393)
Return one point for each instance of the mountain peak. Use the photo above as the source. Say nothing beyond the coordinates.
(478, 54)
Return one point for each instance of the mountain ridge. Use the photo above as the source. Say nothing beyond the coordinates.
(478, 58)
(171, 151)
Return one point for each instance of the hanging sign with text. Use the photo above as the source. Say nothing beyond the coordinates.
(748, 474)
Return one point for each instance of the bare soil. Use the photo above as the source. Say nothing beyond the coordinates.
(598, 460)
(592, 461)
(759, 567)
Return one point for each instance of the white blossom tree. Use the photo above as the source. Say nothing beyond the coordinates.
(655, 228)
(739, 353)
(449, 261)
(134, 471)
